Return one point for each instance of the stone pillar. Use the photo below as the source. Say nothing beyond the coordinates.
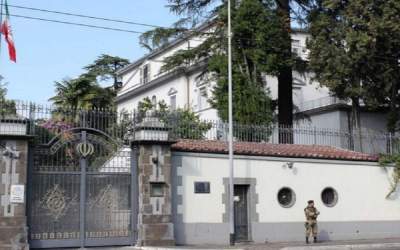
(155, 210)
(13, 170)
(155, 225)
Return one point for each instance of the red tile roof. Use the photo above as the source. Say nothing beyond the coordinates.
(278, 150)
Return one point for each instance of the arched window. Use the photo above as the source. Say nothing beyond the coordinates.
(154, 101)
(172, 98)
(202, 98)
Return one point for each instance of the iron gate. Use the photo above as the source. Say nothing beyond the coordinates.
(82, 192)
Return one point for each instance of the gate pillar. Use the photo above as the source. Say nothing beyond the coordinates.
(13, 173)
(152, 144)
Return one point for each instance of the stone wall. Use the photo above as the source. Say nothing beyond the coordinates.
(155, 225)
(13, 170)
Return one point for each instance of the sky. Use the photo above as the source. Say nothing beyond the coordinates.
(48, 52)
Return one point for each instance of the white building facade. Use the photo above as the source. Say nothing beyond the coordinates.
(271, 193)
(178, 89)
(181, 88)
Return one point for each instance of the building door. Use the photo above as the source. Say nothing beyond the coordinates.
(241, 212)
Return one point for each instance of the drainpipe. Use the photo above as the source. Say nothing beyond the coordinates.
(187, 90)
(187, 81)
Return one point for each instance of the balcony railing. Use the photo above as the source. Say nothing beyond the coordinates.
(320, 103)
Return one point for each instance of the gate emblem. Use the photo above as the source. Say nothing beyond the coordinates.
(56, 202)
(85, 148)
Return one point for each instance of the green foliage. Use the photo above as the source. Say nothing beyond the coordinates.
(105, 67)
(261, 44)
(74, 93)
(393, 160)
(354, 51)
(144, 106)
(337, 51)
(85, 92)
(256, 33)
(186, 124)
(159, 37)
(192, 8)
(183, 123)
(251, 106)
(7, 107)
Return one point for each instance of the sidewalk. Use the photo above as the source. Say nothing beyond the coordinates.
(381, 244)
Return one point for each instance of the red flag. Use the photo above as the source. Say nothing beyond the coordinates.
(5, 29)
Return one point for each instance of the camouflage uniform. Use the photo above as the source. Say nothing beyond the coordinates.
(311, 222)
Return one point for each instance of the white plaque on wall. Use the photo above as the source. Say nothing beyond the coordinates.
(17, 194)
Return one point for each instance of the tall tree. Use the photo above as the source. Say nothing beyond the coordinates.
(382, 86)
(7, 107)
(256, 29)
(74, 93)
(261, 44)
(354, 52)
(285, 75)
(3, 89)
(105, 67)
(85, 91)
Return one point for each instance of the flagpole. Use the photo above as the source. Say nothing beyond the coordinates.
(1, 21)
(230, 139)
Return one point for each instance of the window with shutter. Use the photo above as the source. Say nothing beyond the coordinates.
(172, 102)
(146, 73)
(202, 101)
(141, 75)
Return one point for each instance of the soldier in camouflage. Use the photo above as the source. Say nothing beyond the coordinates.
(311, 221)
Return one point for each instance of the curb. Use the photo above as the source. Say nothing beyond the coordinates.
(179, 248)
(348, 247)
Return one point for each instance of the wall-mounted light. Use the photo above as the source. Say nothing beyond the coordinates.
(288, 165)
(154, 159)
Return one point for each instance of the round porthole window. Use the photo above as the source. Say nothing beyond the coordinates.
(286, 197)
(329, 197)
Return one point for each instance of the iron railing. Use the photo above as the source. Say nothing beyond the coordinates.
(45, 122)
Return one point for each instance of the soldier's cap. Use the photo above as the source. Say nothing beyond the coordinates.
(310, 201)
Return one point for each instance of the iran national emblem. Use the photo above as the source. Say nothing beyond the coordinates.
(85, 149)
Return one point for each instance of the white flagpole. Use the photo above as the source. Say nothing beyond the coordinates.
(230, 121)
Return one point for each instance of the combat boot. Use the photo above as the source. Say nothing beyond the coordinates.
(315, 239)
(307, 240)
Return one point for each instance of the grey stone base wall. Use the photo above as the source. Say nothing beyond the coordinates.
(218, 233)
(201, 233)
(157, 234)
(13, 170)
(328, 231)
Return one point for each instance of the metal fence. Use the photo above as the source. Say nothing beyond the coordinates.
(44, 122)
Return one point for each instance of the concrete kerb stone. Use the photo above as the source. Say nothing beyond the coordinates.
(183, 248)
(348, 247)
(365, 246)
